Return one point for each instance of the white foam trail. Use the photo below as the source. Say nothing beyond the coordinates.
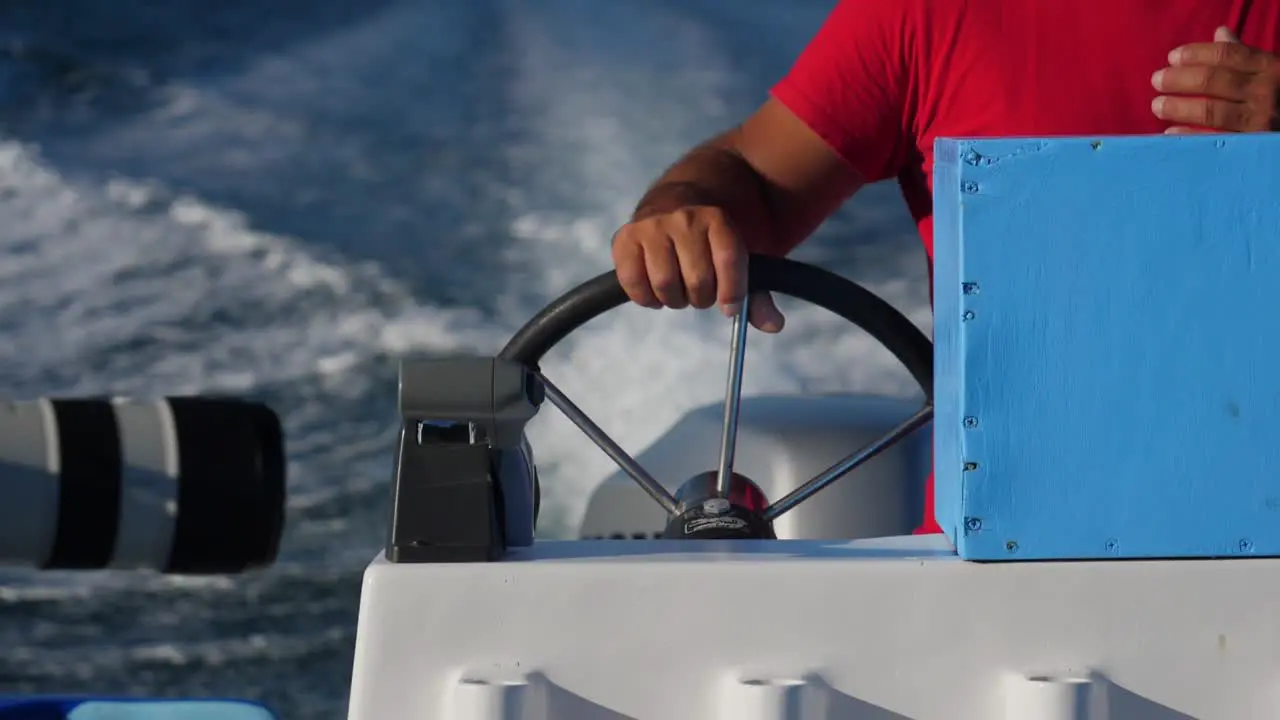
(134, 274)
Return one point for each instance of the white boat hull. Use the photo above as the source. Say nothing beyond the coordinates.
(894, 628)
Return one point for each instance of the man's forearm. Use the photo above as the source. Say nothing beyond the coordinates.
(715, 174)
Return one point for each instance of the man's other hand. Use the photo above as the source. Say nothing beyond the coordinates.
(1219, 86)
(689, 257)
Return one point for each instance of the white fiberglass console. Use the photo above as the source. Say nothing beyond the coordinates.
(883, 629)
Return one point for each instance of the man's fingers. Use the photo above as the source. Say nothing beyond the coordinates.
(1205, 112)
(688, 257)
(1225, 35)
(664, 273)
(730, 260)
(1206, 80)
(1231, 55)
(628, 258)
(764, 314)
(698, 272)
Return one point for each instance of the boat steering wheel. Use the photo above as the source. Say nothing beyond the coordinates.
(725, 504)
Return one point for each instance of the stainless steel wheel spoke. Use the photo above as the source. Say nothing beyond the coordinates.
(602, 440)
(849, 463)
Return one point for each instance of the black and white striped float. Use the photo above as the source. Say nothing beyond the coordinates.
(186, 485)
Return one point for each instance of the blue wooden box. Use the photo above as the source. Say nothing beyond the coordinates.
(1107, 329)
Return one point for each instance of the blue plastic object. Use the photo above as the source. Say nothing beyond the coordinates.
(79, 708)
(1107, 330)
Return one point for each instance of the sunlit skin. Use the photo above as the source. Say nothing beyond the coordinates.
(1219, 86)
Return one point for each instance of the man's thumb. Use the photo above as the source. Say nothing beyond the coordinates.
(1224, 35)
(764, 314)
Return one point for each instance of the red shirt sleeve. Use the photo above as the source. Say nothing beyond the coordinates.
(850, 85)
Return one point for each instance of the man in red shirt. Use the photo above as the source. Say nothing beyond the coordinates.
(883, 78)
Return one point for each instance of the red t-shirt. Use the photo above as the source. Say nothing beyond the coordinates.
(883, 79)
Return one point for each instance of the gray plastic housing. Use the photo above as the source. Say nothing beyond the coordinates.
(498, 397)
(464, 486)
